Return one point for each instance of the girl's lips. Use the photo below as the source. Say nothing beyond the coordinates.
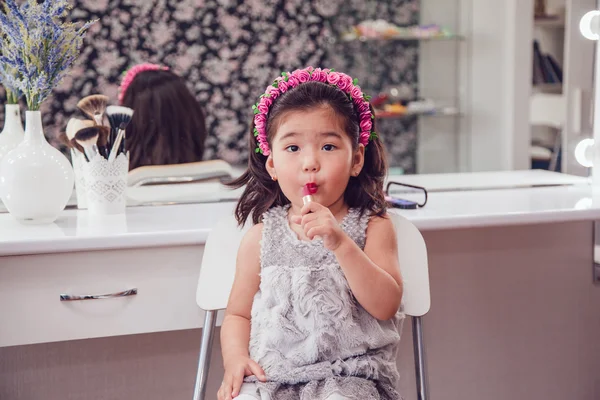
(309, 189)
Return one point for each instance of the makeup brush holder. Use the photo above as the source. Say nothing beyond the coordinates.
(78, 160)
(106, 184)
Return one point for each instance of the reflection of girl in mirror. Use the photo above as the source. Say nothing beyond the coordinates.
(168, 125)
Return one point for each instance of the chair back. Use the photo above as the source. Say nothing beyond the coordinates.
(220, 253)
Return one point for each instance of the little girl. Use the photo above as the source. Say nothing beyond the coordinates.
(313, 312)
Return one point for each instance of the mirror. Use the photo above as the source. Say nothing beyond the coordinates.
(452, 81)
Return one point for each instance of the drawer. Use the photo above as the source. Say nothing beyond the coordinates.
(30, 287)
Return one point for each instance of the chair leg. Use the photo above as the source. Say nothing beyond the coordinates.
(208, 331)
(419, 350)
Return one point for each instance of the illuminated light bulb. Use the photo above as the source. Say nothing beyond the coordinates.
(584, 152)
(585, 25)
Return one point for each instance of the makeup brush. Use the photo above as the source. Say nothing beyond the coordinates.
(75, 125)
(63, 139)
(103, 141)
(94, 106)
(88, 139)
(119, 117)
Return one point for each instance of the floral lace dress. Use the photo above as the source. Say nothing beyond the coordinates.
(308, 332)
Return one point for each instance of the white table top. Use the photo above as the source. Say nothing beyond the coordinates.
(190, 224)
(489, 180)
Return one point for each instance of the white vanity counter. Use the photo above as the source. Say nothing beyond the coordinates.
(570, 199)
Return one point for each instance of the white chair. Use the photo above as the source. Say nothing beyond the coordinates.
(218, 268)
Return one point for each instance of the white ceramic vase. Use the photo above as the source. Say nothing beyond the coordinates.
(13, 133)
(36, 180)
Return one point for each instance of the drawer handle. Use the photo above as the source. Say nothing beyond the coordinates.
(124, 293)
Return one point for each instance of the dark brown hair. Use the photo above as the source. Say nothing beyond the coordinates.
(364, 192)
(168, 124)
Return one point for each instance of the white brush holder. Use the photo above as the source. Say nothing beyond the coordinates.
(106, 184)
(78, 160)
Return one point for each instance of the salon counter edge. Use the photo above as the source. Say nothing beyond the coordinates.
(455, 201)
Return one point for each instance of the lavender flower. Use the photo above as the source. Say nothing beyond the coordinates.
(38, 47)
(7, 76)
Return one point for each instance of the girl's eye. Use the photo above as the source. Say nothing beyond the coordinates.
(328, 147)
(292, 148)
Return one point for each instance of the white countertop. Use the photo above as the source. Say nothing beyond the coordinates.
(489, 180)
(190, 224)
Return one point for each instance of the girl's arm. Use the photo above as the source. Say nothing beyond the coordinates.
(373, 274)
(235, 330)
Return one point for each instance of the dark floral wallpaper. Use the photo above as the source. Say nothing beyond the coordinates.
(229, 50)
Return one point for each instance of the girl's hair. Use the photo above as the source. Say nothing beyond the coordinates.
(364, 192)
(168, 124)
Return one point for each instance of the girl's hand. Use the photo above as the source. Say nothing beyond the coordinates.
(236, 368)
(317, 220)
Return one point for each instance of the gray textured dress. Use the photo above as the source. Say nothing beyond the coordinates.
(308, 332)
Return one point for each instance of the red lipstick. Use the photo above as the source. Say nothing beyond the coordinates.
(307, 191)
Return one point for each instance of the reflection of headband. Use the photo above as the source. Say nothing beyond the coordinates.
(289, 80)
(130, 74)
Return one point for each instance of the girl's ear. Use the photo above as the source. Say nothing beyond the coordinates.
(271, 167)
(358, 160)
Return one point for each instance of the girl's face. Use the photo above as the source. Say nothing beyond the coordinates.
(312, 147)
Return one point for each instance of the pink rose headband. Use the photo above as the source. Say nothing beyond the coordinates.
(289, 80)
(130, 74)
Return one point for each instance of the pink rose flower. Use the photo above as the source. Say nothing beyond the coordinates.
(272, 92)
(293, 81)
(260, 121)
(333, 78)
(345, 82)
(364, 138)
(283, 86)
(264, 109)
(356, 93)
(365, 123)
(318, 75)
(314, 76)
(264, 146)
(309, 69)
(302, 75)
(267, 101)
(363, 106)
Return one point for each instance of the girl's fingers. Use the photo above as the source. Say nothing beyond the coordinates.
(320, 230)
(226, 388)
(238, 379)
(257, 371)
(307, 227)
(311, 207)
(308, 218)
(296, 219)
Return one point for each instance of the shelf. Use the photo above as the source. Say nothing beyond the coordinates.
(548, 88)
(550, 22)
(438, 112)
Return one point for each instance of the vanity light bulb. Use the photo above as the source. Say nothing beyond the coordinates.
(584, 152)
(585, 25)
